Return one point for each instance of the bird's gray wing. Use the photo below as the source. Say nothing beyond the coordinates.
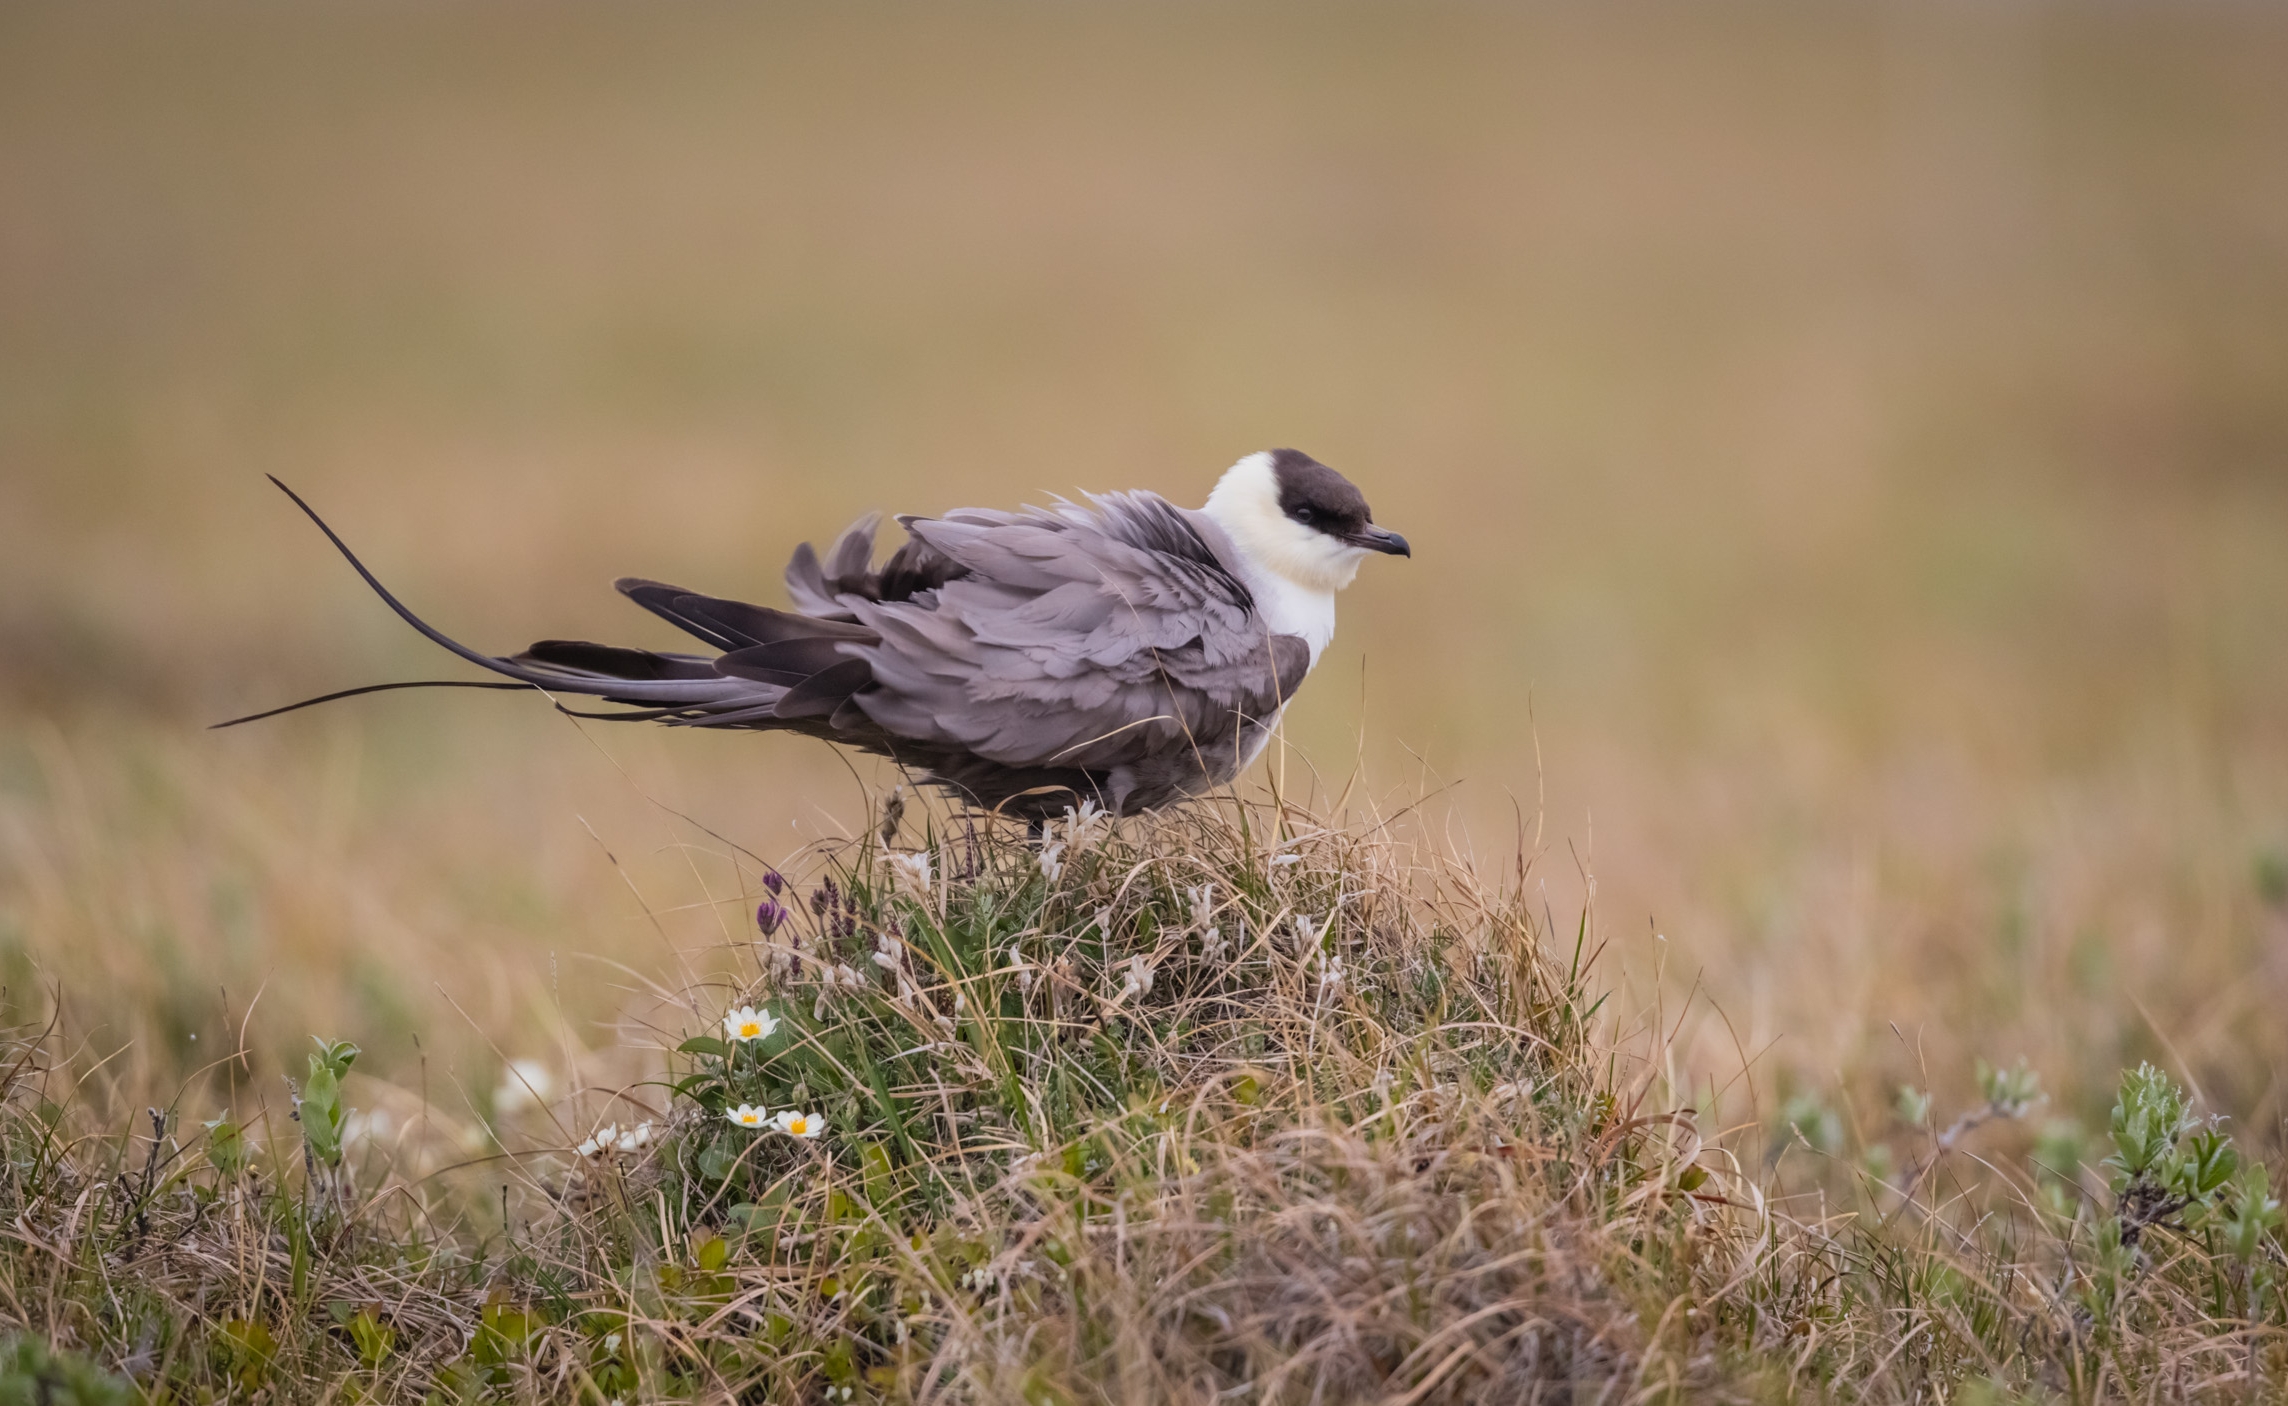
(818, 586)
(1108, 636)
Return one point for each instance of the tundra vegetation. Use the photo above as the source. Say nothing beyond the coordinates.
(1842, 447)
(1239, 1101)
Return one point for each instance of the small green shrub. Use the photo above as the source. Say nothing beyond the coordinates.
(319, 1103)
(34, 1374)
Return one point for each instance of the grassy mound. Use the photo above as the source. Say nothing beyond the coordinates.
(1235, 1104)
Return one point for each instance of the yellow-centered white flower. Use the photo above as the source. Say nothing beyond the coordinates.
(746, 1115)
(795, 1124)
(748, 1023)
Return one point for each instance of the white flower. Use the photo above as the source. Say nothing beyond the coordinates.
(1203, 917)
(795, 1124)
(915, 868)
(525, 1083)
(748, 1023)
(610, 1138)
(1284, 859)
(1331, 972)
(1306, 932)
(1051, 859)
(1138, 981)
(746, 1115)
(1079, 823)
(848, 976)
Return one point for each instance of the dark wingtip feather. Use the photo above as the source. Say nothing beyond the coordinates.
(612, 661)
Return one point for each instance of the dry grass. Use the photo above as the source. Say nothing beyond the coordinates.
(1855, 438)
(1842, 451)
(1241, 1100)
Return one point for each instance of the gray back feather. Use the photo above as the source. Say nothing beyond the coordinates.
(1110, 637)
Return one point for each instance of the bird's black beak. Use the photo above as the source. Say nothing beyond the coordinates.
(1375, 539)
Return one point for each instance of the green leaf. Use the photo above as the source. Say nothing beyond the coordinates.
(336, 1055)
(2209, 1161)
(252, 1350)
(2149, 1116)
(717, 1162)
(374, 1338)
(2010, 1091)
(504, 1333)
(322, 1113)
(713, 1253)
(226, 1147)
(874, 1165)
(1913, 1105)
(704, 1045)
(2256, 1214)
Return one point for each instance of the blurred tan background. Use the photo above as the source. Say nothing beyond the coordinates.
(1852, 441)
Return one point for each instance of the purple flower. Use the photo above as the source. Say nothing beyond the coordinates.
(768, 916)
(773, 882)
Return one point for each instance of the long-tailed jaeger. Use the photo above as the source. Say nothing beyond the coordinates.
(1123, 651)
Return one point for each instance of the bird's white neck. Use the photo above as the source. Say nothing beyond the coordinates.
(1291, 609)
(1292, 571)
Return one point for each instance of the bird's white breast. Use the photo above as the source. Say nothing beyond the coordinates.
(1291, 609)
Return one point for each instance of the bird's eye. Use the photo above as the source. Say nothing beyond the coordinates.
(1305, 515)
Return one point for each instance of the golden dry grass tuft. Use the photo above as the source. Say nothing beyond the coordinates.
(1240, 1100)
(1850, 443)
